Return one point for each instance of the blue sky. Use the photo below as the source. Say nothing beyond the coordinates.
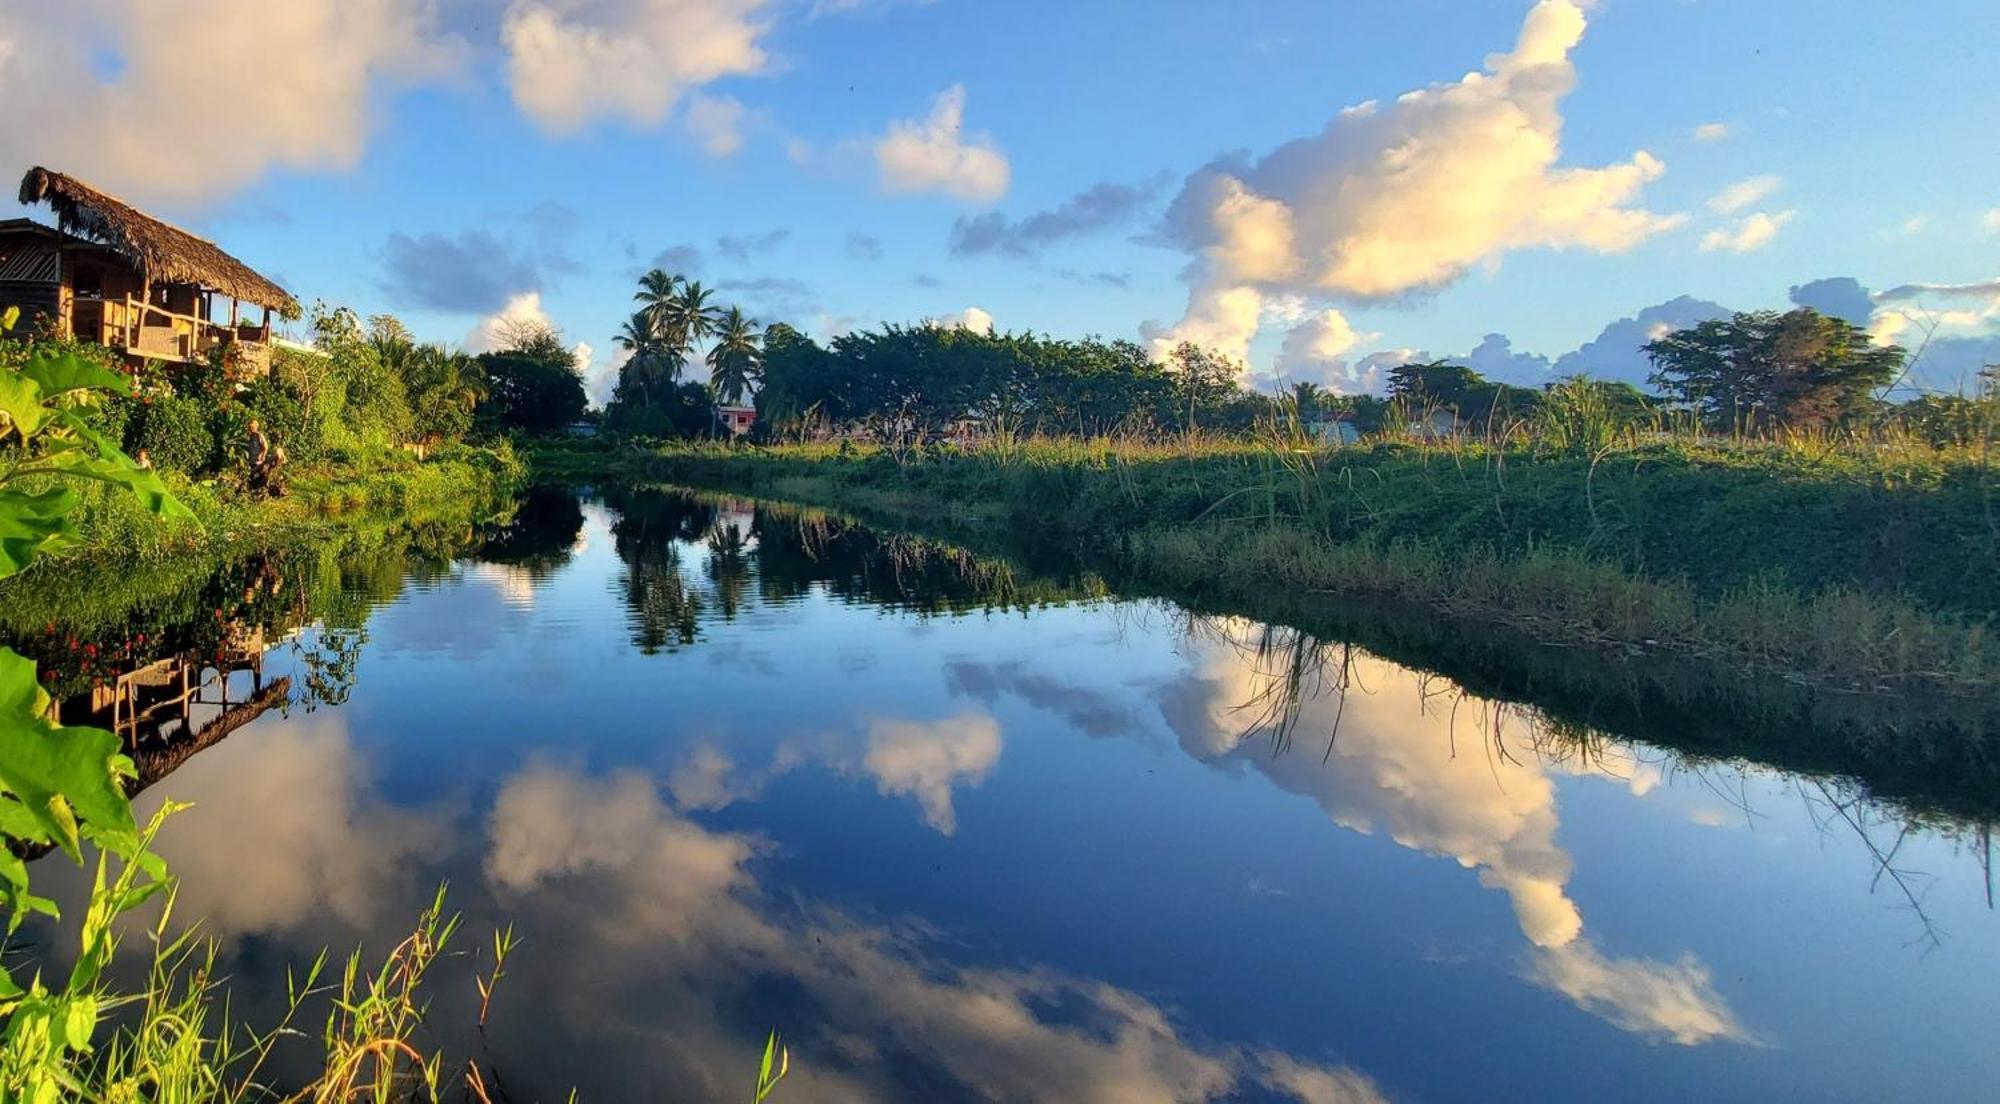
(442, 160)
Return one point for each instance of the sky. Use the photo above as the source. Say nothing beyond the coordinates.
(1320, 188)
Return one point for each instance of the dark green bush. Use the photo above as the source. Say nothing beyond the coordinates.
(285, 419)
(175, 430)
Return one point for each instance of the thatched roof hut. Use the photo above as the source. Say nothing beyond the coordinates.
(163, 254)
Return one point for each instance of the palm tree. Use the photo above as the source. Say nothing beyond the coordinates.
(691, 318)
(657, 290)
(649, 365)
(734, 364)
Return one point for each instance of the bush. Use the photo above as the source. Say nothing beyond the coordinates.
(285, 419)
(175, 430)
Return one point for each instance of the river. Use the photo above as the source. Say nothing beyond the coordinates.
(960, 831)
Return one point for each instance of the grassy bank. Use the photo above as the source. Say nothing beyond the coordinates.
(1849, 568)
(324, 499)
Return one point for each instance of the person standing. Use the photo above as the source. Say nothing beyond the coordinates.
(258, 448)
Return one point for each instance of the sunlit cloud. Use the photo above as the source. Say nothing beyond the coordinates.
(1407, 195)
(1711, 132)
(316, 71)
(571, 62)
(1744, 193)
(938, 154)
(1748, 234)
(1674, 1001)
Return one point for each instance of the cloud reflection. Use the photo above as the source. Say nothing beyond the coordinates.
(669, 933)
(1445, 774)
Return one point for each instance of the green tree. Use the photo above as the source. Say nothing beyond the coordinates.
(1762, 368)
(735, 361)
(1203, 382)
(534, 384)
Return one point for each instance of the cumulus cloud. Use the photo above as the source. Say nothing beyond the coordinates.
(475, 271)
(1313, 349)
(313, 69)
(571, 62)
(1494, 357)
(1952, 329)
(1748, 234)
(1711, 132)
(971, 318)
(1840, 297)
(1744, 193)
(1614, 354)
(1096, 208)
(937, 154)
(740, 248)
(1409, 195)
(928, 760)
(717, 123)
(1990, 221)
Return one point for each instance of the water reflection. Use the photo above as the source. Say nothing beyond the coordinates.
(967, 832)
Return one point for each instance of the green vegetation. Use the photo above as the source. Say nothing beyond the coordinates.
(1845, 564)
(675, 316)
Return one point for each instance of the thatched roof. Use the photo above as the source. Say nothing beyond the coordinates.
(162, 253)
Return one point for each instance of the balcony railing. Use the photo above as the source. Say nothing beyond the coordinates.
(144, 329)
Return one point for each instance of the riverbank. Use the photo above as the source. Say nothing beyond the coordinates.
(1850, 571)
(322, 499)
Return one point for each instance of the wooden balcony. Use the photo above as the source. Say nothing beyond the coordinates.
(146, 330)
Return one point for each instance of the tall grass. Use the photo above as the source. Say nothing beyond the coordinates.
(1862, 558)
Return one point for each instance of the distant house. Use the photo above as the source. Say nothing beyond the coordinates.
(110, 274)
(1333, 430)
(736, 420)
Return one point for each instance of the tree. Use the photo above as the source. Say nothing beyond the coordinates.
(1761, 368)
(533, 384)
(444, 387)
(691, 318)
(649, 370)
(656, 294)
(734, 361)
(1203, 381)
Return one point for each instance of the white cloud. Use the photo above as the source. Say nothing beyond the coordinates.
(1408, 195)
(312, 69)
(1313, 348)
(1747, 234)
(1394, 763)
(1990, 221)
(937, 154)
(1916, 224)
(926, 760)
(971, 318)
(492, 331)
(1711, 132)
(571, 62)
(287, 827)
(717, 123)
(1743, 193)
(1676, 1001)
(665, 923)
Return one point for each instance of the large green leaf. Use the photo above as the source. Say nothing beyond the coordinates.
(112, 466)
(29, 523)
(60, 775)
(61, 372)
(21, 401)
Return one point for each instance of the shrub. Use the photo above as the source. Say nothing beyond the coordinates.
(285, 419)
(175, 430)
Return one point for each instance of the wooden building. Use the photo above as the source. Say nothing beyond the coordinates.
(111, 274)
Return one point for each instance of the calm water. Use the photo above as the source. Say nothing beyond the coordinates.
(964, 835)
